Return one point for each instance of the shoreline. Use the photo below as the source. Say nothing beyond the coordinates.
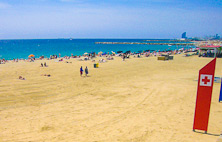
(78, 47)
(157, 52)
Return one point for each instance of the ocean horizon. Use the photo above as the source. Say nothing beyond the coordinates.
(22, 48)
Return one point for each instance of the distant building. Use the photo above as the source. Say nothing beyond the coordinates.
(216, 37)
(184, 35)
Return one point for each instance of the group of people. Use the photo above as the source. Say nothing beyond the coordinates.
(124, 56)
(21, 78)
(102, 61)
(110, 58)
(46, 75)
(44, 65)
(53, 56)
(86, 71)
(3, 61)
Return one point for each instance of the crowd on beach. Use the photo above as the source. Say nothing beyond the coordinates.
(106, 56)
(127, 54)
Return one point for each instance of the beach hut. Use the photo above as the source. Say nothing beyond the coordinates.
(210, 51)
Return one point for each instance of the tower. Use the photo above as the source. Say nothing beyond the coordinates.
(184, 35)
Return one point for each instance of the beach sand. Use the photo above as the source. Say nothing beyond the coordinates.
(140, 99)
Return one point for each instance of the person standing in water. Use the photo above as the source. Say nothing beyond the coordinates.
(81, 71)
(86, 71)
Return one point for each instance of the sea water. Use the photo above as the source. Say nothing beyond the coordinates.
(10, 49)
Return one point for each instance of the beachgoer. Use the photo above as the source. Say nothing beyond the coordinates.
(123, 57)
(21, 78)
(86, 70)
(81, 71)
(46, 75)
(41, 64)
(45, 64)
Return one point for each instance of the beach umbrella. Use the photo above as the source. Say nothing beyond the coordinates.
(100, 53)
(86, 53)
(31, 55)
(113, 52)
(127, 52)
(104, 53)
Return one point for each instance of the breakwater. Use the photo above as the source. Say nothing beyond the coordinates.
(175, 40)
(147, 43)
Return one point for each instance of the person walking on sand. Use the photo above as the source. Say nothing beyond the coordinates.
(124, 57)
(45, 64)
(86, 71)
(81, 71)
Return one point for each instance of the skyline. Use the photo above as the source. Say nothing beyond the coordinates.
(38, 19)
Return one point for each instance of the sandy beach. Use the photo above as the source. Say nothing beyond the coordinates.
(137, 100)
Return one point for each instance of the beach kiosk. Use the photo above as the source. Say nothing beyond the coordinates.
(210, 51)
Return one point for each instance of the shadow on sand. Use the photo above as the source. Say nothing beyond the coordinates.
(206, 133)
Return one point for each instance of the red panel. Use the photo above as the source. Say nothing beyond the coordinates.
(204, 93)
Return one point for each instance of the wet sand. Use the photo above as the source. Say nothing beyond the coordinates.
(140, 99)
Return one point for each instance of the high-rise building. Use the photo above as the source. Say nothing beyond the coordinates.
(217, 36)
(184, 35)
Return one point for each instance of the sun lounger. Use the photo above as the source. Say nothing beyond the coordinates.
(161, 58)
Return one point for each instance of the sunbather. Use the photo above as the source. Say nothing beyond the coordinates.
(21, 78)
(46, 75)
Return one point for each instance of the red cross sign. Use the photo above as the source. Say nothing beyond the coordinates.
(204, 93)
(205, 80)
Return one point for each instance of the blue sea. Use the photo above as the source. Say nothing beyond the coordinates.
(22, 48)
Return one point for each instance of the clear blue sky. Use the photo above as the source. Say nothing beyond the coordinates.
(109, 18)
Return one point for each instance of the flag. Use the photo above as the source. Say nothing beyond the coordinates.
(204, 93)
